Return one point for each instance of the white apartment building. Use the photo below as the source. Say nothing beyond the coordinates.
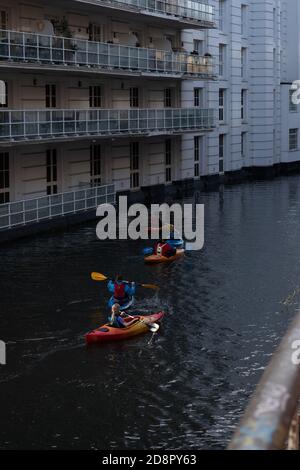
(257, 126)
(91, 93)
(144, 93)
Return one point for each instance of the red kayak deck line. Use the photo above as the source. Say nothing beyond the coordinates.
(108, 333)
(155, 259)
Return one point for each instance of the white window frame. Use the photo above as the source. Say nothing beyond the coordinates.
(243, 104)
(96, 168)
(293, 108)
(244, 63)
(293, 139)
(244, 136)
(222, 151)
(51, 95)
(168, 161)
(198, 97)
(198, 143)
(51, 171)
(222, 60)
(222, 15)
(135, 162)
(222, 104)
(244, 19)
(95, 96)
(5, 171)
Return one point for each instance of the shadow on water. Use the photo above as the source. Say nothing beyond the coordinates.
(227, 307)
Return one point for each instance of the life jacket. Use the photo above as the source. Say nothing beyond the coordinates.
(119, 293)
(165, 249)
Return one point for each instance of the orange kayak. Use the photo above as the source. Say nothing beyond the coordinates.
(110, 333)
(155, 259)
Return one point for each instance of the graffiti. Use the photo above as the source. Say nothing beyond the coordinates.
(274, 397)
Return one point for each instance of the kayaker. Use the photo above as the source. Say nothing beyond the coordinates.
(163, 248)
(122, 291)
(116, 318)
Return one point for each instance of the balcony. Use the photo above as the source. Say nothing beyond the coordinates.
(69, 124)
(31, 49)
(31, 211)
(186, 13)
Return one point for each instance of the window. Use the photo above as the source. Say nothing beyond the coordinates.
(243, 104)
(50, 96)
(134, 97)
(274, 23)
(222, 104)
(198, 97)
(95, 164)
(4, 177)
(3, 22)
(222, 51)
(244, 13)
(95, 96)
(243, 144)
(168, 98)
(221, 152)
(134, 165)
(244, 62)
(198, 46)
(293, 139)
(221, 14)
(51, 165)
(168, 160)
(197, 147)
(3, 94)
(274, 63)
(95, 33)
(292, 106)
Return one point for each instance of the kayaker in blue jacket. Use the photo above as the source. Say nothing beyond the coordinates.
(122, 291)
(116, 318)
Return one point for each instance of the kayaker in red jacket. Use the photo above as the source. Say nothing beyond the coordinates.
(122, 291)
(163, 248)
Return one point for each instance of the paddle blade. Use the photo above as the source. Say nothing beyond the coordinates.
(147, 251)
(150, 286)
(98, 277)
(154, 327)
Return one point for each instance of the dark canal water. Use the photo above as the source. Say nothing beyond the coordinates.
(188, 388)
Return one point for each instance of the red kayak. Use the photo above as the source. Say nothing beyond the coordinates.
(110, 333)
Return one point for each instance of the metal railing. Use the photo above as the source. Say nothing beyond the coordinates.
(22, 47)
(198, 12)
(274, 407)
(49, 123)
(20, 213)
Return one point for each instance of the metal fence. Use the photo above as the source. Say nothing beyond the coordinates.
(187, 9)
(37, 48)
(20, 213)
(272, 415)
(38, 124)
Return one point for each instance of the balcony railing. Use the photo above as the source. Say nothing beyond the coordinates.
(52, 50)
(188, 10)
(29, 211)
(59, 123)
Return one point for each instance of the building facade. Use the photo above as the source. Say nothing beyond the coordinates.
(144, 93)
(91, 93)
(257, 126)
